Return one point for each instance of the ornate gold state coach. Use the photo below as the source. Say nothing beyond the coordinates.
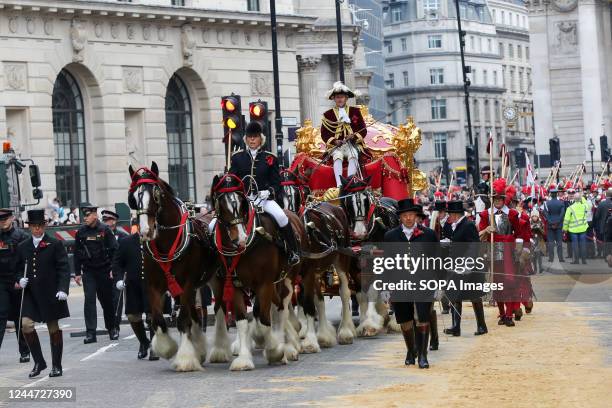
(389, 160)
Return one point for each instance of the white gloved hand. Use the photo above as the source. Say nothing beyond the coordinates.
(61, 296)
(23, 282)
(264, 195)
(120, 285)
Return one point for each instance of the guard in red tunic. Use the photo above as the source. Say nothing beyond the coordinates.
(343, 129)
(510, 247)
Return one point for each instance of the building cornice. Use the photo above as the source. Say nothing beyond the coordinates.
(444, 88)
(152, 13)
(440, 54)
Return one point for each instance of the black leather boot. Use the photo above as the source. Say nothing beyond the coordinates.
(481, 325)
(39, 361)
(90, 337)
(410, 345)
(24, 358)
(455, 329)
(152, 355)
(24, 351)
(141, 335)
(57, 347)
(445, 305)
(293, 249)
(434, 343)
(422, 340)
(113, 333)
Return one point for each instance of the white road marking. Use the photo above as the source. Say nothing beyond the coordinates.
(100, 351)
(133, 336)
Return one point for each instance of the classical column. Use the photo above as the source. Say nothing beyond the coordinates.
(309, 95)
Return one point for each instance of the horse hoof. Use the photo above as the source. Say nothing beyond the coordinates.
(163, 345)
(219, 355)
(242, 364)
(187, 364)
(345, 336)
(310, 345)
(291, 354)
(275, 355)
(393, 326)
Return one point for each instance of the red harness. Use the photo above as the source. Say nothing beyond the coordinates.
(228, 287)
(173, 286)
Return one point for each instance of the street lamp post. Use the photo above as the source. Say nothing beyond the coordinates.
(591, 148)
(339, 33)
(278, 119)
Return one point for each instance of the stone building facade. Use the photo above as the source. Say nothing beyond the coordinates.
(571, 53)
(88, 87)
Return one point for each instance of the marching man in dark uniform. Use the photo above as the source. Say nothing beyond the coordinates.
(343, 129)
(263, 167)
(94, 247)
(465, 234)
(45, 284)
(10, 237)
(128, 273)
(110, 218)
(410, 231)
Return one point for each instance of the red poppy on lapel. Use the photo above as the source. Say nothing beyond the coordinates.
(43, 244)
(417, 231)
(355, 119)
(270, 160)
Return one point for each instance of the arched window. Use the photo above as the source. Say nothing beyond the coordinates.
(180, 139)
(69, 141)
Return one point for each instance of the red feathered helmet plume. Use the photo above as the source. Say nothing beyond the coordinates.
(606, 184)
(499, 187)
(552, 187)
(526, 190)
(510, 194)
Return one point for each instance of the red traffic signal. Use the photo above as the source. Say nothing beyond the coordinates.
(258, 110)
(232, 117)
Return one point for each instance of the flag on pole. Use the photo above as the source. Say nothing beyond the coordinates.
(530, 177)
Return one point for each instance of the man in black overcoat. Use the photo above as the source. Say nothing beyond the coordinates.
(45, 284)
(410, 231)
(467, 242)
(128, 273)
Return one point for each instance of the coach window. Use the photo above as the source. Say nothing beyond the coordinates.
(69, 141)
(180, 139)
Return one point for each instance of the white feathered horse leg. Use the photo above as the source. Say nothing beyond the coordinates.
(274, 336)
(326, 334)
(371, 325)
(244, 361)
(221, 351)
(187, 357)
(292, 343)
(346, 330)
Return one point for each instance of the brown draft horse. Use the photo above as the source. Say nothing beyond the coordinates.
(327, 246)
(370, 218)
(254, 263)
(178, 257)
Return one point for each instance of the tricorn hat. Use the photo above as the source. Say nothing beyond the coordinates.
(36, 217)
(339, 88)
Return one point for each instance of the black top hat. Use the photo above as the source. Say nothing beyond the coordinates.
(419, 210)
(407, 204)
(455, 207)
(5, 213)
(36, 217)
(109, 215)
(87, 208)
(440, 205)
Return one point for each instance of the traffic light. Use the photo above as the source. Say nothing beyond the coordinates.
(232, 118)
(470, 156)
(258, 112)
(605, 149)
(519, 157)
(555, 149)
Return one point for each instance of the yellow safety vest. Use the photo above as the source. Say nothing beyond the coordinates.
(575, 220)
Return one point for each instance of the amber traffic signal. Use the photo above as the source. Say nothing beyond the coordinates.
(258, 112)
(232, 117)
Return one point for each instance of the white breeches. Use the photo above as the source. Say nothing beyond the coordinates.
(270, 207)
(349, 152)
